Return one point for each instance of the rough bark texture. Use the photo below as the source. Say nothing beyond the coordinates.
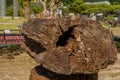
(2, 8)
(67, 46)
(15, 8)
(39, 73)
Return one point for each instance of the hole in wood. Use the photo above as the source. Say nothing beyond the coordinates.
(62, 41)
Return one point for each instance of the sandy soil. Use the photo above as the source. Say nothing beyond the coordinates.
(19, 68)
(112, 72)
(16, 69)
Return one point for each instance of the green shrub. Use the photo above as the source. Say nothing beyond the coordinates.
(65, 11)
(116, 7)
(109, 18)
(12, 47)
(36, 8)
(20, 12)
(9, 11)
(118, 46)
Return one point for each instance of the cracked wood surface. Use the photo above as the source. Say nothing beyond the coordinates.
(67, 46)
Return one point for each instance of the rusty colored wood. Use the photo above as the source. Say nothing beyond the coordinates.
(67, 46)
(39, 73)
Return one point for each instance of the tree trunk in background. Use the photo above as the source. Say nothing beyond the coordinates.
(26, 10)
(52, 9)
(43, 2)
(15, 8)
(44, 13)
(2, 7)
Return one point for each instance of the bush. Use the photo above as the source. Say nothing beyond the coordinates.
(36, 8)
(65, 11)
(20, 11)
(14, 47)
(76, 6)
(109, 18)
(87, 9)
(11, 47)
(9, 11)
(118, 46)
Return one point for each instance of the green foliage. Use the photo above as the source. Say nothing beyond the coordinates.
(35, 8)
(9, 11)
(12, 47)
(110, 9)
(111, 1)
(116, 7)
(109, 18)
(9, 3)
(65, 11)
(20, 11)
(118, 46)
(94, 0)
(22, 3)
(76, 6)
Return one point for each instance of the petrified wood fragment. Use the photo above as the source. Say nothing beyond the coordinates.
(67, 46)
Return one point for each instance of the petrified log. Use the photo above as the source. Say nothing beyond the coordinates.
(40, 73)
(67, 46)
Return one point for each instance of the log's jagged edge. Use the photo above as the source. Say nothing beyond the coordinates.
(69, 46)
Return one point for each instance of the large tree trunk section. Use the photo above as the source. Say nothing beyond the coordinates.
(67, 46)
(39, 73)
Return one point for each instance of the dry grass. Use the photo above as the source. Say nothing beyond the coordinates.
(10, 23)
(112, 72)
(116, 31)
